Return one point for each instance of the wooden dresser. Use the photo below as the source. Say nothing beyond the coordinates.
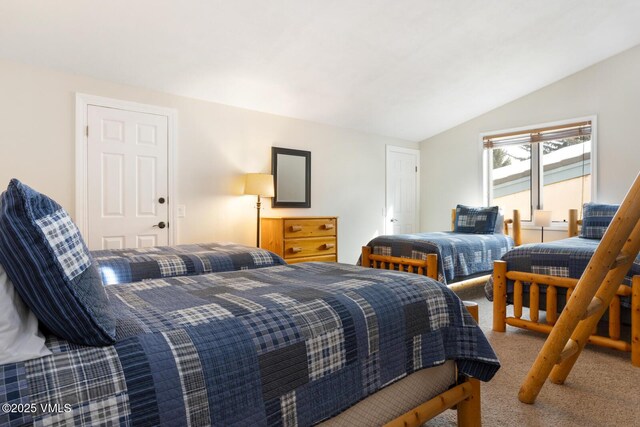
(300, 239)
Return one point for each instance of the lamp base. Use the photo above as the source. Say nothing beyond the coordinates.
(258, 206)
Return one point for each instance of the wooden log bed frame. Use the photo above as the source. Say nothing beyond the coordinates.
(429, 267)
(464, 397)
(552, 283)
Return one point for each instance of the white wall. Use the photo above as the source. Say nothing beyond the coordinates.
(452, 160)
(217, 144)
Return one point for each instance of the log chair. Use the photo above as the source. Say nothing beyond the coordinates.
(501, 277)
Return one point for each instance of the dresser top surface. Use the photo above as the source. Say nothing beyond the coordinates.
(299, 217)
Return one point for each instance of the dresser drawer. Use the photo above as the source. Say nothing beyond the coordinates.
(294, 228)
(311, 246)
(319, 258)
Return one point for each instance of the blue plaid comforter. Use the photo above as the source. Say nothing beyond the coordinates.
(459, 254)
(132, 265)
(563, 258)
(286, 345)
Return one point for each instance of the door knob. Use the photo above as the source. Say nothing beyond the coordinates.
(161, 200)
(160, 225)
(394, 220)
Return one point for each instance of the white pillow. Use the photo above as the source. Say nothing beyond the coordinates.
(20, 338)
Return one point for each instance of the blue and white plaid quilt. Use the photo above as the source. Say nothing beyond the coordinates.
(132, 265)
(285, 345)
(563, 258)
(459, 254)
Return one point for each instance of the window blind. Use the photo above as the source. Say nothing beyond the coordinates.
(530, 136)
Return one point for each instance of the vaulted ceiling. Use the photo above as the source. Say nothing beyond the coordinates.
(402, 68)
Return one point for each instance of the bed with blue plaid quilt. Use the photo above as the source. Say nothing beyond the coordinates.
(285, 345)
(459, 254)
(132, 265)
(561, 258)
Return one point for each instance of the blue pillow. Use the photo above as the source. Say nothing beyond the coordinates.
(477, 220)
(44, 255)
(596, 217)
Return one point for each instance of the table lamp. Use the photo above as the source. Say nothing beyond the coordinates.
(542, 219)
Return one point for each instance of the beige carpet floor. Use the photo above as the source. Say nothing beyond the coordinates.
(603, 388)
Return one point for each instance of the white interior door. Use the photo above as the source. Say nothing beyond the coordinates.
(402, 190)
(127, 179)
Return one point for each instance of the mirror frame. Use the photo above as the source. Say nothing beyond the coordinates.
(275, 151)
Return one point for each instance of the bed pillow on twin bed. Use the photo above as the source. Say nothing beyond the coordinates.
(51, 268)
(596, 217)
(476, 220)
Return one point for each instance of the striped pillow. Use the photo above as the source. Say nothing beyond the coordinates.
(477, 220)
(596, 217)
(44, 255)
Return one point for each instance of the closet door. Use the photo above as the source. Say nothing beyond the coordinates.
(127, 179)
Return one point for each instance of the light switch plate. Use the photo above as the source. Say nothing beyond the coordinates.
(182, 211)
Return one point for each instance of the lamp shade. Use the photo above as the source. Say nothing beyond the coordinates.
(260, 184)
(542, 218)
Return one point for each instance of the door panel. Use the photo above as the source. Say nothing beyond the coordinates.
(112, 185)
(146, 134)
(112, 130)
(146, 193)
(146, 241)
(113, 242)
(127, 175)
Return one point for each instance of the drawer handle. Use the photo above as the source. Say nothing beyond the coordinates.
(328, 226)
(329, 245)
(296, 227)
(296, 250)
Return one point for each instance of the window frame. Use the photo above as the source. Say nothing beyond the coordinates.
(536, 172)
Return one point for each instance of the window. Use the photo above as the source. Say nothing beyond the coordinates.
(546, 167)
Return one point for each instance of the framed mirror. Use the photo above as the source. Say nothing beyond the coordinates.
(291, 171)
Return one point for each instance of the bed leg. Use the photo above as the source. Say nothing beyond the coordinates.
(453, 219)
(472, 308)
(635, 321)
(499, 296)
(366, 261)
(572, 230)
(432, 266)
(517, 231)
(469, 409)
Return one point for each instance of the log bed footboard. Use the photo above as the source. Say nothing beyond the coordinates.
(552, 283)
(427, 267)
(464, 397)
